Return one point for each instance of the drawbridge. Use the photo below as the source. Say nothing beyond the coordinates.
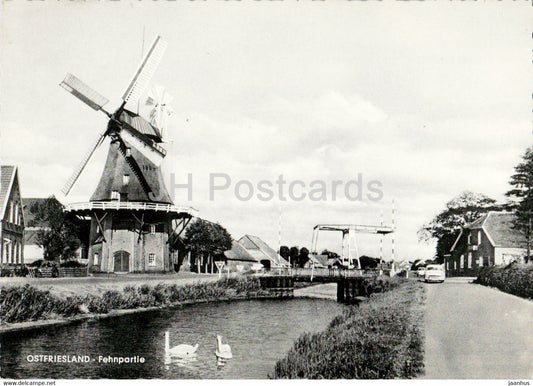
(350, 254)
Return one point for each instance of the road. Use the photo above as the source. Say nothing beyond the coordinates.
(475, 332)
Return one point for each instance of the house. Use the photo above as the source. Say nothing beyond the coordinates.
(491, 240)
(262, 253)
(318, 261)
(12, 217)
(238, 259)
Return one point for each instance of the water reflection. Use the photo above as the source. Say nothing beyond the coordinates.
(260, 332)
(186, 362)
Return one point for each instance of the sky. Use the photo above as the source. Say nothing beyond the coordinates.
(419, 100)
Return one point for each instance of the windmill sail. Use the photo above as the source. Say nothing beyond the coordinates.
(153, 152)
(74, 177)
(83, 92)
(159, 98)
(146, 71)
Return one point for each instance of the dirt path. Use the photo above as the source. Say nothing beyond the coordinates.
(475, 332)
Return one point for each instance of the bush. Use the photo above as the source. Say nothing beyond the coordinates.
(94, 304)
(515, 278)
(381, 339)
(72, 264)
(22, 304)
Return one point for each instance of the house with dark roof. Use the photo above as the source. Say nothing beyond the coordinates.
(238, 259)
(491, 240)
(262, 252)
(12, 217)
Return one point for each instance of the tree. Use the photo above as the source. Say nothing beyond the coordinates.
(60, 234)
(284, 252)
(330, 254)
(303, 257)
(463, 209)
(207, 240)
(522, 197)
(293, 256)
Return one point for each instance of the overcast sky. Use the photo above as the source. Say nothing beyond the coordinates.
(429, 99)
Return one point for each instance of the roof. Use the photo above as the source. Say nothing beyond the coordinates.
(260, 250)
(499, 229)
(319, 260)
(140, 124)
(238, 252)
(7, 176)
(322, 259)
(116, 168)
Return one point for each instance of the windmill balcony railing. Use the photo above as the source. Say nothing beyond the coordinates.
(128, 205)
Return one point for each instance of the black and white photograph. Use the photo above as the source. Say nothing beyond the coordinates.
(266, 190)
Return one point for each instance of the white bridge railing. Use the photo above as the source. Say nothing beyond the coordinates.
(128, 205)
(318, 272)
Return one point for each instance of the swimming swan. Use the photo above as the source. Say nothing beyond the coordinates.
(181, 350)
(223, 350)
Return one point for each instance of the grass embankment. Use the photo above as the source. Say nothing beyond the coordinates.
(26, 303)
(380, 339)
(516, 279)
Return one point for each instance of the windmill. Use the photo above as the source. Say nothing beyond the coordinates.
(135, 227)
(123, 127)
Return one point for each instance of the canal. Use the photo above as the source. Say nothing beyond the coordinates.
(260, 332)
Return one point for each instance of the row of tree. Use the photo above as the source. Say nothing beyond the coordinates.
(468, 207)
(296, 257)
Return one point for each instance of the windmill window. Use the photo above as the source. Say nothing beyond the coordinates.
(115, 195)
(469, 260)
(478, 237)
(481, 261)
(96, 257)
(126, 179)
(152, 229)
(151, 259)
(462, 262)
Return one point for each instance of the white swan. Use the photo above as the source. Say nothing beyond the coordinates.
(181, 350)
(223, 351)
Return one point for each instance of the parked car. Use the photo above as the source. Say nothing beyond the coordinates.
(435, 272)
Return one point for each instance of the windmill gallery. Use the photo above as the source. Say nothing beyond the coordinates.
(134, 225)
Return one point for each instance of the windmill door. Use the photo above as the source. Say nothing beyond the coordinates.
(122, 261)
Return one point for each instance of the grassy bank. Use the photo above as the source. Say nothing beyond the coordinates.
(380, 339)
(516, 279)
(26, 303)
